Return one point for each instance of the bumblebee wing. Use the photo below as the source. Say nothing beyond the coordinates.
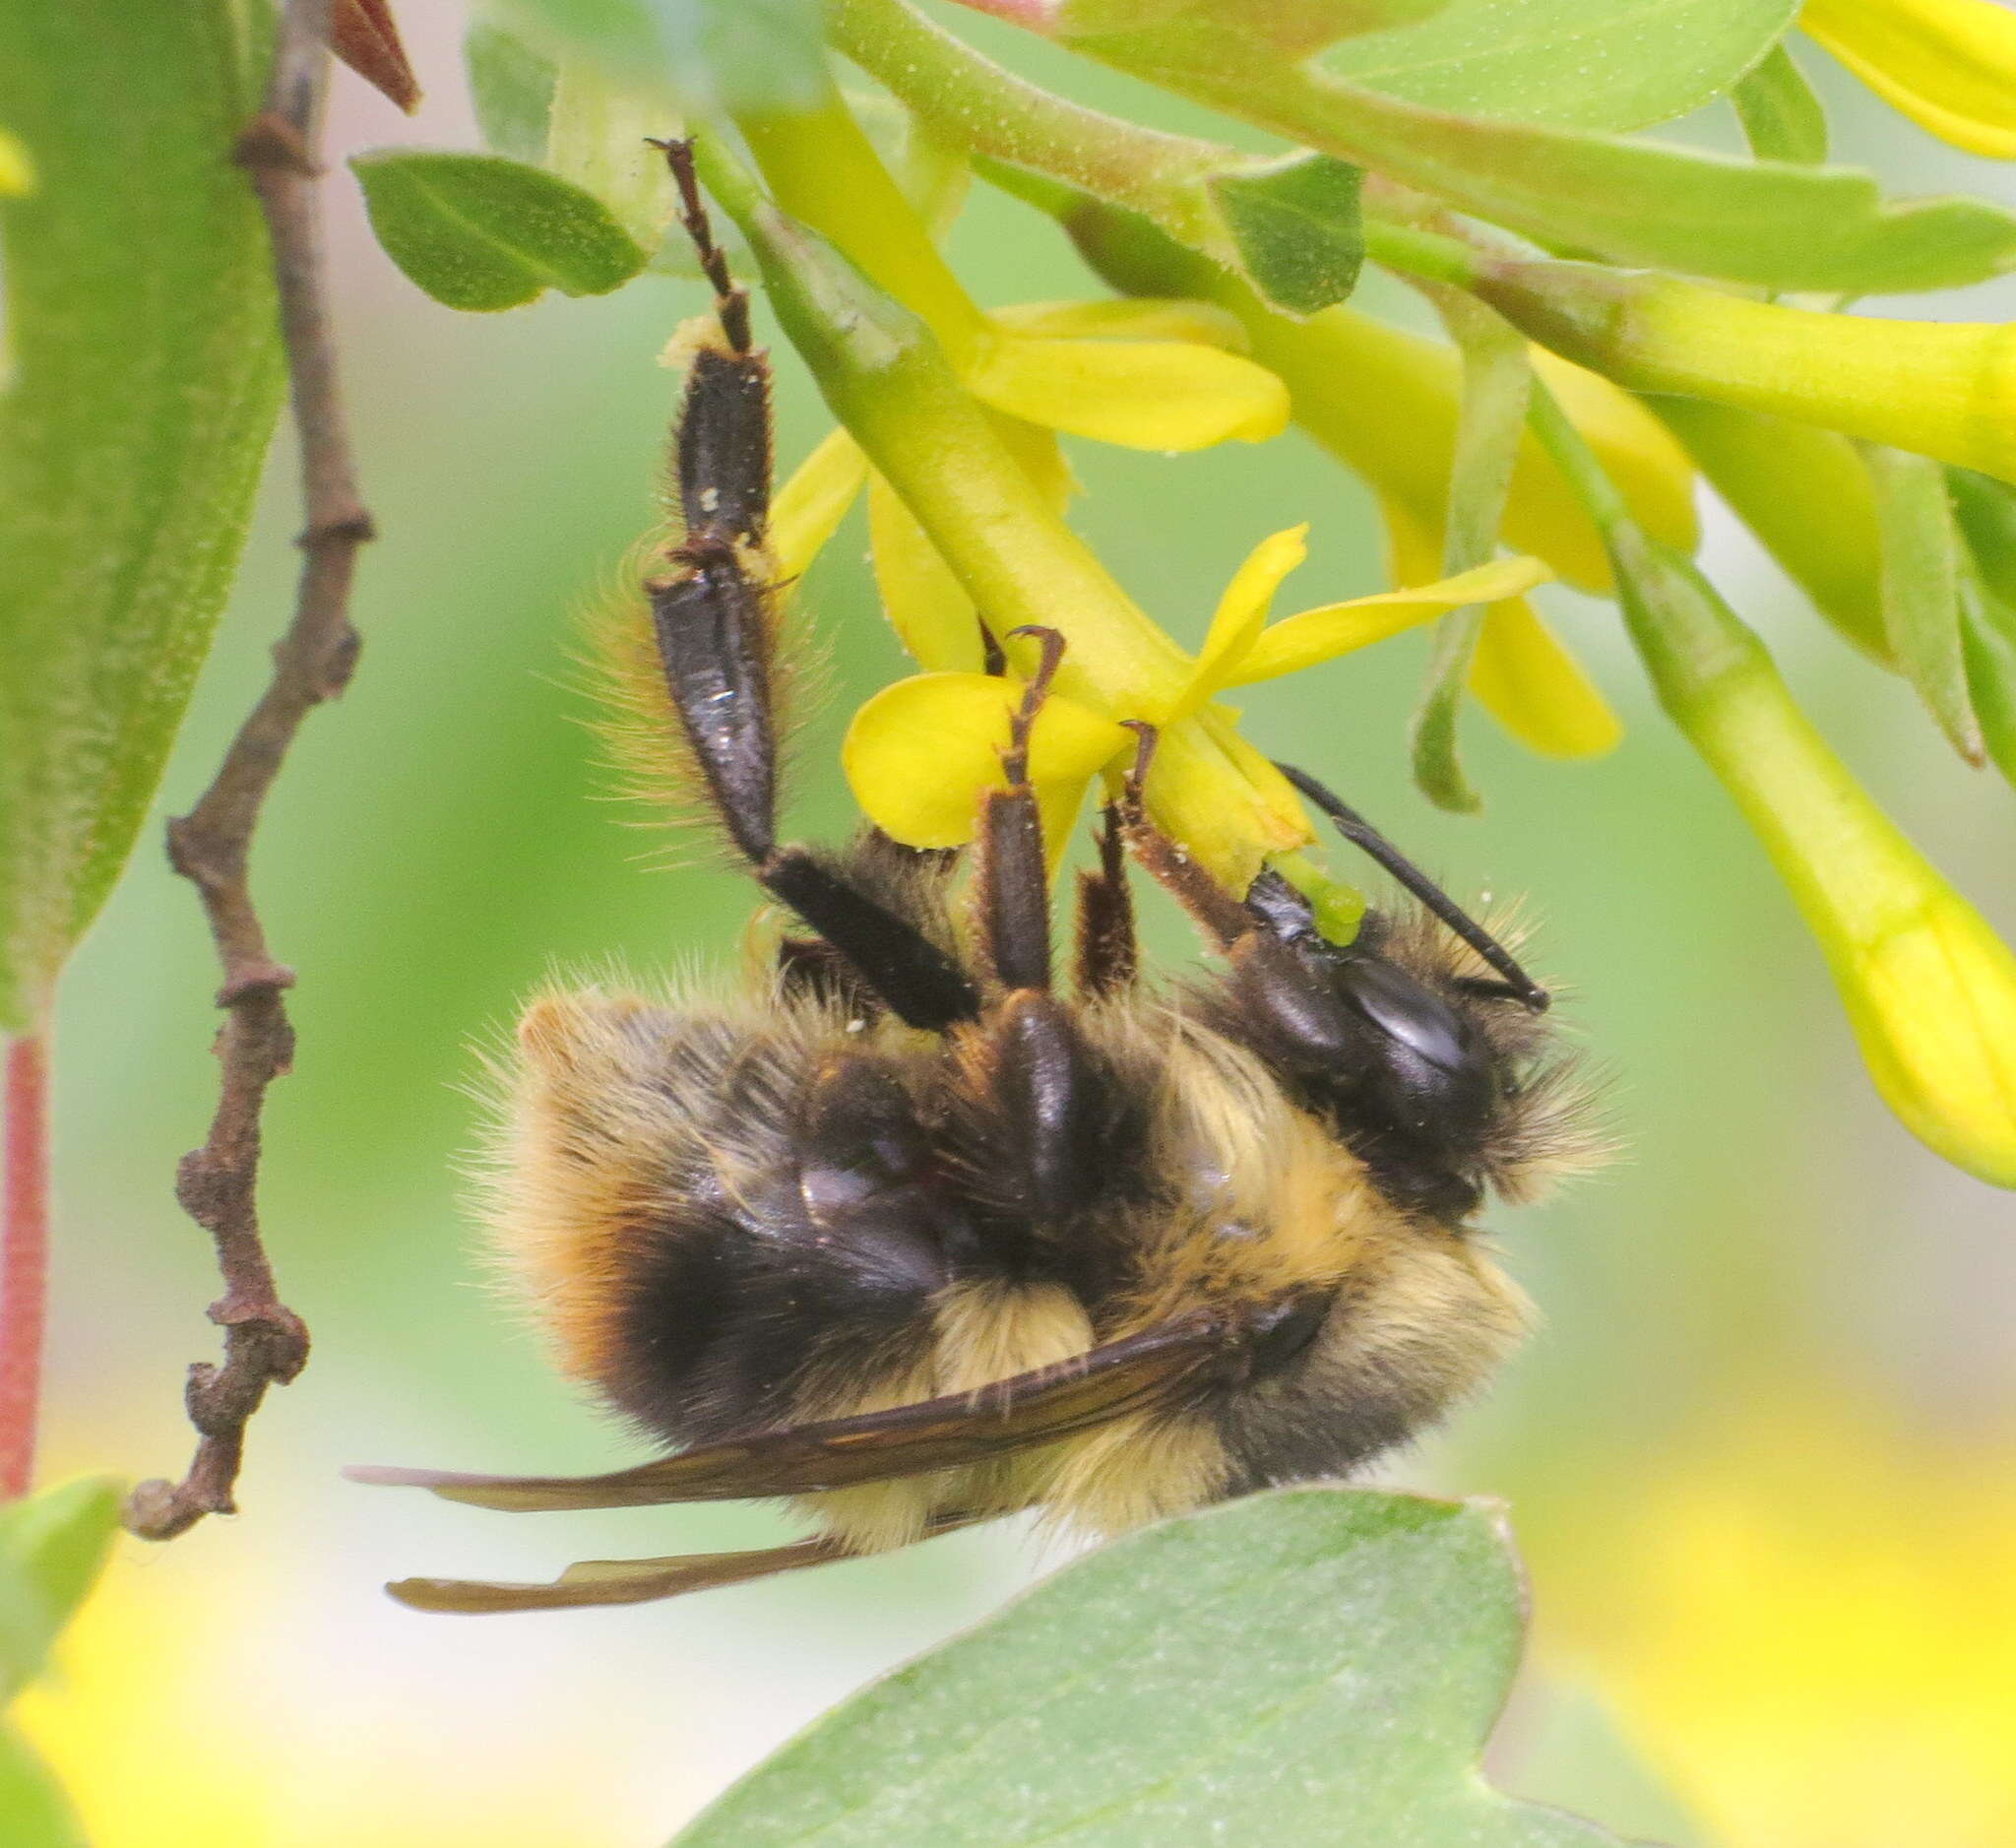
(1135, 1374)
(634, 1581)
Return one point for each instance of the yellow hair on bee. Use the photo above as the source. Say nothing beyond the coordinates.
(1279, 1205)
(643, 739)
(983, 1331)
(576, 1167)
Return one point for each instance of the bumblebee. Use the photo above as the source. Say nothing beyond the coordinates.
(915, 1236)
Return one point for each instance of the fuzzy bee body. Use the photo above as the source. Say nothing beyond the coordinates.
(913, 1234)
(751, 1216)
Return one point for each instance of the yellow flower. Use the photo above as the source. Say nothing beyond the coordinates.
(164, 1638)
(1950, 65)
(1384, 402)
(919, 754)
(1929, 987)
(1146, 375)
(1940, 389)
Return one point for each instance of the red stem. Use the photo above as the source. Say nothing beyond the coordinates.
(24, 1258)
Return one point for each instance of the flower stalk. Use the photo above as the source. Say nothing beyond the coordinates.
(1929, 989)
(1940, 389)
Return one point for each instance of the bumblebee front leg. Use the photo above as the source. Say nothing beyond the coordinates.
(1041, 1096)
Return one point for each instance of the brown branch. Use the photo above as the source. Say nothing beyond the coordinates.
(264, 1342)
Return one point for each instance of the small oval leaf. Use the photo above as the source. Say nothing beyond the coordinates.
(481, 232)
(1298, 228)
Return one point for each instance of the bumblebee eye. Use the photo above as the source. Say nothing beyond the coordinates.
(1406, 1011)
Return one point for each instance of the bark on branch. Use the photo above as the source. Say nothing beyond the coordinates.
(264, 1342)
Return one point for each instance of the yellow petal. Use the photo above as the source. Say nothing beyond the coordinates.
(1164, 395)
(1242, 615)
(17, 176)
(1320, 635)
(931, 614)
(810, 506)
(1414, 547)
(1528, 681)
(1126, 319)
(1950, 65)
(919, 754)
(1383, 400)
(1934, 1003)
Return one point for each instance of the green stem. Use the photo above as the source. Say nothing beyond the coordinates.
(24, 1256)
(976, 101)
(826, 173)
(1427, 255)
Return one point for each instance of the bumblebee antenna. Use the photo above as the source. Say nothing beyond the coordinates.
(1361, 834)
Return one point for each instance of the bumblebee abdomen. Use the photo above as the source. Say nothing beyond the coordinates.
(714, 1214)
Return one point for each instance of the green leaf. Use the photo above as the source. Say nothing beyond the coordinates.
(1920, 588)
(481, 232)
(1986, 512)
(52, 1548)
(1778, 226)
(32, 1808)
(1782, 118)
(1613, 64)
(1295, 27)
(1297, 229)
(511, 84)
(147, 376)
(711, 54)
(1497, 386)
(1988, 639)
(1308, 1666)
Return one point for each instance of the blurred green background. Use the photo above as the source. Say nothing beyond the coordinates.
(1762, 1456)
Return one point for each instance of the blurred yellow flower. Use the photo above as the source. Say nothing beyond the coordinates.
(165, 1734)
(1950, 65)
(16, 174)
(1811, 1622)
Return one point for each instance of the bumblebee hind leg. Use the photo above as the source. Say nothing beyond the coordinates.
(714, 624)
